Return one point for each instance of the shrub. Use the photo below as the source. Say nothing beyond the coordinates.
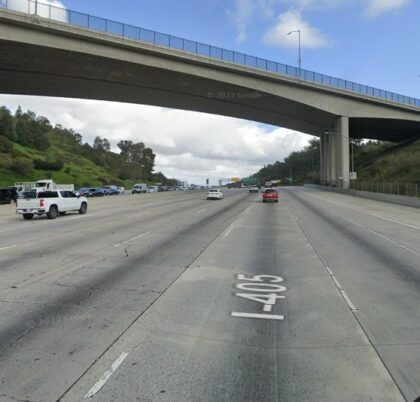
(46, 165)
(5, 145)
(21, 166)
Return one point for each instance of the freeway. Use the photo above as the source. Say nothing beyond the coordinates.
(169, 297)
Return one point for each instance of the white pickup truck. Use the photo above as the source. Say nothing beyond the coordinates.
(52, 203)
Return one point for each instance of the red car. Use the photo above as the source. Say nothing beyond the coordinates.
(270, 195)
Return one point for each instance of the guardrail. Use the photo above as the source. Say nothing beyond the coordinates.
(74, 18)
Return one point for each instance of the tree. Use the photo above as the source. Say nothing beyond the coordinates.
(100, 144)
(125, 147)
(6, 123)
(32, 131)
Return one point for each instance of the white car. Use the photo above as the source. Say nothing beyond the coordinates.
(52, 203)
(152, 189)
(214, 194)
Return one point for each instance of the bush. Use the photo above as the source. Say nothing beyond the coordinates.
(5, 161)
(46, 165)
(6, 146)
(21, 166)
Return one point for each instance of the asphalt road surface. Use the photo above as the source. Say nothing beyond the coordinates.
(169, 297)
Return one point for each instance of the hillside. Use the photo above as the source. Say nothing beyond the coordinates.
(374, 161)
(398, 163)
(32, 149)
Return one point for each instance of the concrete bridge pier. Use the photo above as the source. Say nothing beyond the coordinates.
(334, 150)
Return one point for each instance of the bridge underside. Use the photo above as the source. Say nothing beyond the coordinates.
(29, 69)
(77, 63)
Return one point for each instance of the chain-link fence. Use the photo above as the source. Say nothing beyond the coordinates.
(46, 10)
(407, 189)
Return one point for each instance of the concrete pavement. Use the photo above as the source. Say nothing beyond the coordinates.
(178, 298)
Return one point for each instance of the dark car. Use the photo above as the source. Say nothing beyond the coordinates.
(98, 192)
(84, 191)
(8, 195)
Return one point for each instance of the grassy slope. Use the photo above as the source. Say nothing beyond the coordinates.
(401, 164)
(77, 169)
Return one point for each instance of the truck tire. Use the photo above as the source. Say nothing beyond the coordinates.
(83, 208)
(53, 212)
(28, 217)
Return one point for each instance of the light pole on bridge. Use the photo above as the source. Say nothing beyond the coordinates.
(299, 59)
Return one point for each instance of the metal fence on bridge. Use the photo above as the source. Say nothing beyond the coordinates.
(43, 10)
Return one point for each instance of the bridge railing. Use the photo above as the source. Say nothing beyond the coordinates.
(74, 18)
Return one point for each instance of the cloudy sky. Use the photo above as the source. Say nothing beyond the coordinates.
(374, 42)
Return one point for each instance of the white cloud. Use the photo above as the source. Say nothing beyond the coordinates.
(315, 4)
(52, 9)
(244, 12)
(292, 20)
(189, 145)
(374, 8)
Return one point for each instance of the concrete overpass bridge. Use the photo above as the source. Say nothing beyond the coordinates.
(67, 54)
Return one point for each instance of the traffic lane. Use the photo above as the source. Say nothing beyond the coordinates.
(82, 271)
(393, 227)
(99, 207)
(188, 346)
(385, 210)
(84, 313)
(381, 279)
(111, 231)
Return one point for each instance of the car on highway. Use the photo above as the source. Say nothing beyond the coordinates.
(270, 195)
(139, 188)
(253, 189)
(84, 191)
(214, 194)
(51, 203)
(152, 189)
(111, 190)
(96, 192)
(8, 195)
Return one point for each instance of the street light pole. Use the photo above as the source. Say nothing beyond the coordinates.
(300, 58)
(36, 7)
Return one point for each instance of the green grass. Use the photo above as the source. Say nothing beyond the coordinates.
(401, 164)
(77, 169)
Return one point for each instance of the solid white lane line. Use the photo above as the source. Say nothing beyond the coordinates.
(348, 301)
(338, 284)
(7, 247)
(105, 377)
(135, 238)
(227, 233)
(201, 211)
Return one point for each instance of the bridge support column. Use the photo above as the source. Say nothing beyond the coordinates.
(322, 161)
(334, 149)
(342, 153)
